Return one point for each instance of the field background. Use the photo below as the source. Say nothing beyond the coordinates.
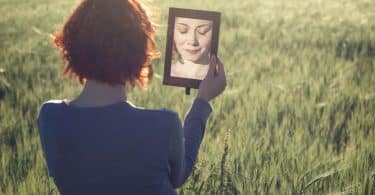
(297, 117)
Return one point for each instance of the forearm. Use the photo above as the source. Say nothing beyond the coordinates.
(194, 128)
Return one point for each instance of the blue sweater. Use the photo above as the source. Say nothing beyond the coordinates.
(119, 148)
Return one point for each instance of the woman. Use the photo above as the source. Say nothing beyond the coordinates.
(192, 43)
(99, 143)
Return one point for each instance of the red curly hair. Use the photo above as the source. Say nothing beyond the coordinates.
(110, 41)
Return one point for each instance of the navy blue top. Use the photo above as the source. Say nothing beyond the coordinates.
(119, 148)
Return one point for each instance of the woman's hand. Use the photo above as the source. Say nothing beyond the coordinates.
(215, 81)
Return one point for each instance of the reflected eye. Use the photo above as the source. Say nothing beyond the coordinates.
(204, 29)
(182, 29)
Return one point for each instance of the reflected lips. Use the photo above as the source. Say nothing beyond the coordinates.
(192, 51)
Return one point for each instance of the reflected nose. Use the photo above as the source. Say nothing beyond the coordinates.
(192, 39)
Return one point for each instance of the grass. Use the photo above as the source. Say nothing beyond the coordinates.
(297, 116)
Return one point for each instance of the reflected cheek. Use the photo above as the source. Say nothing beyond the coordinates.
(205, 41)
(179, 42)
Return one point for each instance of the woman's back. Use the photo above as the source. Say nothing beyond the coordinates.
(119, 148)
(102, 147)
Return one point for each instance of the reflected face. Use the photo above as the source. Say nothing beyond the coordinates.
(192, 38)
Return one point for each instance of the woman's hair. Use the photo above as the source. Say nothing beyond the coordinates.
(110, 41)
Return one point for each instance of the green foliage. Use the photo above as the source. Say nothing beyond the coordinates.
(297, 116)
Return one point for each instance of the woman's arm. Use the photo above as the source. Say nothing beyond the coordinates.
(184, 145)
(47, 138)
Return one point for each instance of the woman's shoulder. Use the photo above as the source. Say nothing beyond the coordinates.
(163, 113)
(54, 102)
(47, 111)
(56, 107)
(49, 105)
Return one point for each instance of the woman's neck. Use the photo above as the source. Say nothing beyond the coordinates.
(99, 94)
(202, 61)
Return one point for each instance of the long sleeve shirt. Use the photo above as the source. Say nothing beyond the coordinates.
(120, 148)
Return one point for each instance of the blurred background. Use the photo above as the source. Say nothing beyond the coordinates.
(297, 117)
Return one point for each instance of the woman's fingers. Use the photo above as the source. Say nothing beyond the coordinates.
(212, 68)
(221, 74)
(216, 67)
(220, 66)
(215, 81)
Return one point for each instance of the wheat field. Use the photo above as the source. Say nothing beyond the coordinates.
(297, 117)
